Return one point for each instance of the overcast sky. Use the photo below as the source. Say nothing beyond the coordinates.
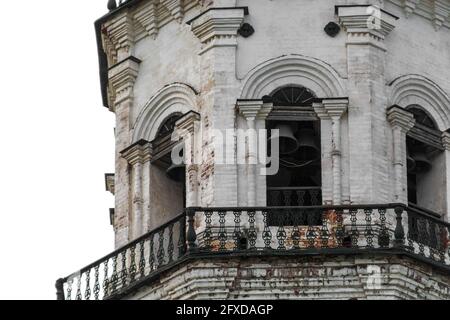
(56, 144)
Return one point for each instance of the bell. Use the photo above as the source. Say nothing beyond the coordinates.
(176, 172)
(288, 142)
(308, 149)
(423, 164)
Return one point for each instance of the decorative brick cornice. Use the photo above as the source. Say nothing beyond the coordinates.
(366, 24)
(254, 109)
(437, 11)
(218, 27)
(122, 77)
(331, 108)
(400, 118)
(140, 152)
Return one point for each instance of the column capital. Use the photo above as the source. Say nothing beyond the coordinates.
(446, 140)
(254, 109)
(188, 122)
(331, 108)
(139, 152)
(218, 27)
(110, 182)
(399, 117)
(366, 24)
(122, 78)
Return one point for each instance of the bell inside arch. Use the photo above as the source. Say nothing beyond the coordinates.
(177, 172)
(288, 141)
(308, 147)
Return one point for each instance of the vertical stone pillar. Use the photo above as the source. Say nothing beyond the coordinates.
(255, 113)
(401, 122)
(217, 31)
(138, 156)
(367, 27)
(330, 111)
(187, 128)
(446, 144)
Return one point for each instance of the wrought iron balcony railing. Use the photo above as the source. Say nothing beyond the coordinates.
(217, 232)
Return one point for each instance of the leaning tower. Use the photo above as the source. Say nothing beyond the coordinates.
(276, 149)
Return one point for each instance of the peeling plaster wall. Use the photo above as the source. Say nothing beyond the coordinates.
(340, 278)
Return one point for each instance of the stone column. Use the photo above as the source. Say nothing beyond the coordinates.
(367, 27)
(330, 111)
(118, 43)
(138, 156)
(253, 111)
(401, 122)
(187, 129)
(446, 144)
(217, 30)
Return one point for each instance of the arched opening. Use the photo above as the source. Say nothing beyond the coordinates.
(298, 181)
(167, 179)
(426, 163)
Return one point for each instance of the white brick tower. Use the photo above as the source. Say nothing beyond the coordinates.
(358, 92)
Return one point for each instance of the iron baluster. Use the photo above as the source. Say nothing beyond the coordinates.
(87, 293)
(222, 236)
(60, 290)
(354, 228)
(208, 232)
(191, 234)
(69, 289)
(399, 232)
(124, 272)
(442, 242)
(142, 258)
(311, 233)
(97, 282)
(133, 263)
(151, 253)
(105, 280)
(114, 277)
(252, 235)
(339, 228)
(287, 198)
(267, 234)
(79, 295)
(383, 237)
(182, 238)
(421, 226)
(161, 252)
(369, 230)
(237, 230)
(281, 233)
(171, 246)
(301, 197)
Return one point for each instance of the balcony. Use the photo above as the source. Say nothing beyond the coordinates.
(206, 233)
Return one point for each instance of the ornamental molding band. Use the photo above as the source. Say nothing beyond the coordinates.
(218, 27)
(436, 11)
(366, 25)
(314, 74)
(414, 89)
(124, 28)
(122, 78)
(174, 98)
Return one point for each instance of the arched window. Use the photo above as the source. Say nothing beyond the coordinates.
(298, 182)
(426, 163)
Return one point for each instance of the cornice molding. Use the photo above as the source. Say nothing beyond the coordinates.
(140, 152)
(122, 78)
(366, 24)
(218, 27)
(400, 118)
(436, 11)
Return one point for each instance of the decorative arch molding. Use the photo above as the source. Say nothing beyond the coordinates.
(417, 90)
(289, 70)
(174, 98)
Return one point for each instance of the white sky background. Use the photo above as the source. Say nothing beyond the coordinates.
(56, 144)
